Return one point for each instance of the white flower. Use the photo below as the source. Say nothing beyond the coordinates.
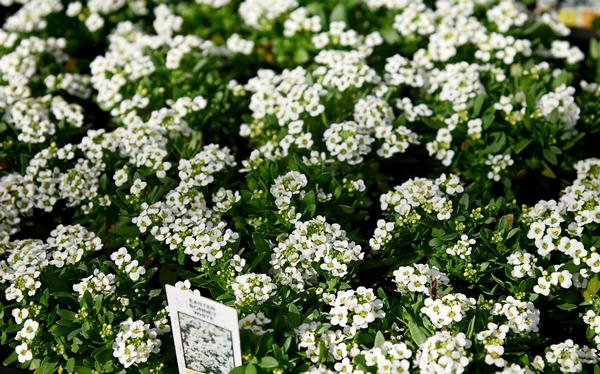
(238, 45)
(536, 230)
(23, 352)
(562, 100)
(594, 262)
(462, 248)
(134, 270)
(474, 128)
(497, 164)
(542, 287)
(121, 257)
(94, 22)
(137, 186)
(29, 329)
(20, 314)
(120, 177)
(494, 355)
(237, 262)
(260, 13)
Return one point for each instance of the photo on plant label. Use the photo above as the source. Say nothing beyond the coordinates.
(207, 348)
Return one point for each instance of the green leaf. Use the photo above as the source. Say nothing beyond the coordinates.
(497, 280)
(238, 370)
(55, 283)
(67, 314)
(506, 223)
(98, 303)
(338, 13)
(108, 365)
(550, 156)
(464, 201)
(48, 366)
(594, 48)
(287, 343)
(438, 232)
(478, 104)
(449, 236)
(547, 172)
(102, 354)
(12, 357)
(83, 370)
(260, 244)
(268, 362)
(65, 323)
(567, 306)
(294, 316)
(497, 143)
(250, 369)
(488, 120)
(310, 200)
(379, 339)
(301, 56)
(73, 334)
(389, 34)
(435, 242)
(70, 364)
(416, 332)
(593, 287)
(382, 295)
(512, 233)
(471, 328)
(521, 145)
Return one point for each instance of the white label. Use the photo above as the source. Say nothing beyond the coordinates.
(206, 333)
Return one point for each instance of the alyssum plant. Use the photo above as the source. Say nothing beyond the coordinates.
(377, 186)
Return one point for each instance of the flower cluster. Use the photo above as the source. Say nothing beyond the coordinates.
(252, 287)
(389, 358)
(127, 264)
(462, 248)
(418, 278)
(493, 341)
(134, 342)
(447, 309)
(444, 352)
(184, 221)
(347, 142)
(95, 284)
(354, 308)
(376, 186)
(283, 188)
(314, 247)
(570, 357)
(521, 316)
(419, 197)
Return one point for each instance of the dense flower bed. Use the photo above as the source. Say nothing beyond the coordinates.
(380, 186)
